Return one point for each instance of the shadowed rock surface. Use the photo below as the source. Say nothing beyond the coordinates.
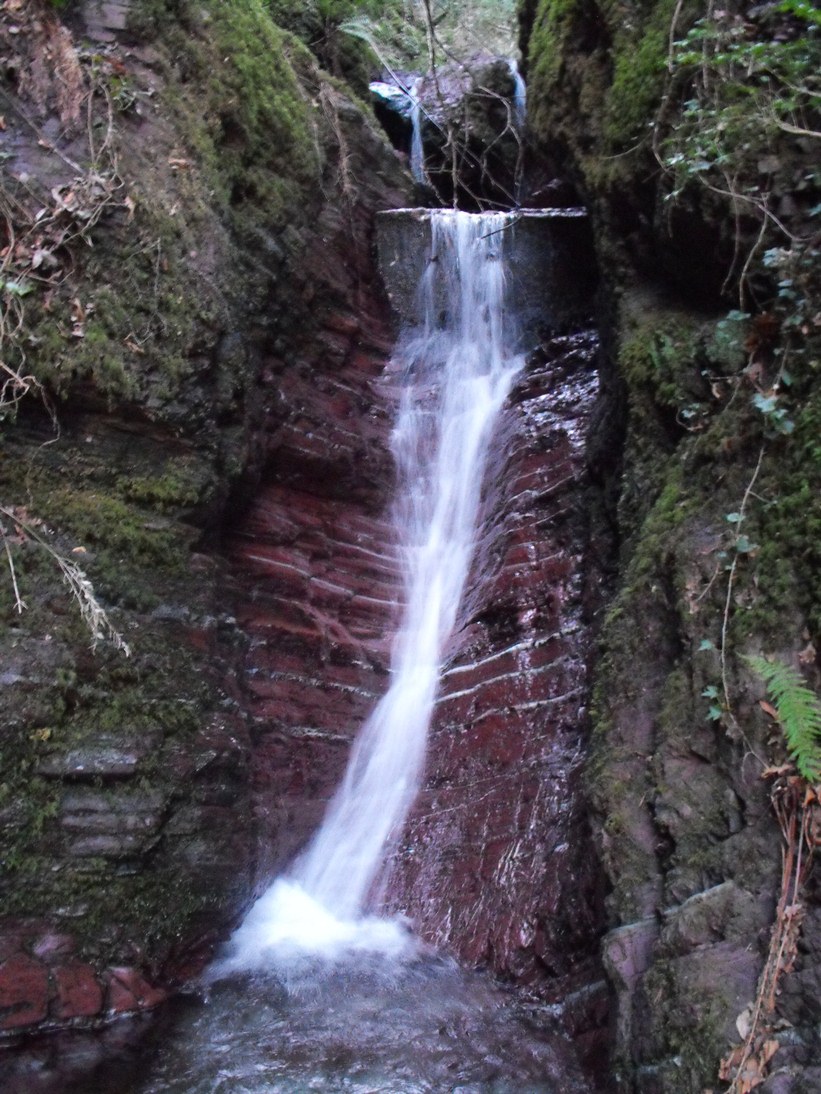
(695, 328)
(230, 261)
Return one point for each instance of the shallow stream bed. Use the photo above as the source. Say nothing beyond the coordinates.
(424, 1027)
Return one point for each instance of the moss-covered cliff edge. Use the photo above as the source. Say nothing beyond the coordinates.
(187, 202)
(692, 136)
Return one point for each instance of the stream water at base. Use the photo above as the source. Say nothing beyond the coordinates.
(424, 1027)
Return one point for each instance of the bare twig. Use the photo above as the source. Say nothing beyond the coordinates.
(728, 600)
(19, 603)
(92, 612)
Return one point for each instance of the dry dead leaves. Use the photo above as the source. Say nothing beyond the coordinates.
(747, 1065)
(45, 59)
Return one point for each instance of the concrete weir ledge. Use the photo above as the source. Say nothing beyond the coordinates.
(551, 265)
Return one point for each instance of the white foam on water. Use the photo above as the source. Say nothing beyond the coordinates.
(286, 923)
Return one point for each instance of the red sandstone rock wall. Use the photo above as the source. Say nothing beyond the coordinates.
(163, 812)
(494, 865)
(43, 982)
(316, 581)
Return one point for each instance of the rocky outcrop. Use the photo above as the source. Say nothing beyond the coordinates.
(550, 267)
(498, 828)
(499, 821)
(316, 579)
(185, 287)
(716, 548)
(319, 598)
(471, 133)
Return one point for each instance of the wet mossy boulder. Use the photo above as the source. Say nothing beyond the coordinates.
(471, 131)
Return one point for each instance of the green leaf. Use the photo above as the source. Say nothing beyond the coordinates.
(17, 288)
(705, 644)
(710, 692)
(744, 546)
(799, 712)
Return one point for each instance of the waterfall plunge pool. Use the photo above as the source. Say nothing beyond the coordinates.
(369, 1027)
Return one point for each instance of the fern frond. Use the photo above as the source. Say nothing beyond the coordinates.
(799, 712)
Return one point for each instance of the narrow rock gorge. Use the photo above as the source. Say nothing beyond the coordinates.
(202, 282)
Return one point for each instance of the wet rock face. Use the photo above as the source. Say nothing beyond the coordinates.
(494, 863)
(550, 271)
(126, 806)
(470, 122)
(497, 840)
(316, 585)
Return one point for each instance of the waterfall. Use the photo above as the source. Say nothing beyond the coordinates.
(458, 366)
(417, 153)
(519, 97)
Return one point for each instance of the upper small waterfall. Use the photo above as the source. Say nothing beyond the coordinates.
(417, 150)
(519, 97)
(458, 364)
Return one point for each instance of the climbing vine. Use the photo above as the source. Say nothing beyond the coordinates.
(748, 128)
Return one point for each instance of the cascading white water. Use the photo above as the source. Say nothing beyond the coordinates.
(458, 365)
(417, 151)
(519, 97)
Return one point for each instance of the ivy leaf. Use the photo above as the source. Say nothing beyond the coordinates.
(17, 288)
(744, 546)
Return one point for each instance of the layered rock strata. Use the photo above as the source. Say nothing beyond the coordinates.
(317, 583)
(494, 864)
(230, 221)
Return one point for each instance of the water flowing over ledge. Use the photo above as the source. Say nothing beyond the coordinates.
(458, 360)
(550, 268)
